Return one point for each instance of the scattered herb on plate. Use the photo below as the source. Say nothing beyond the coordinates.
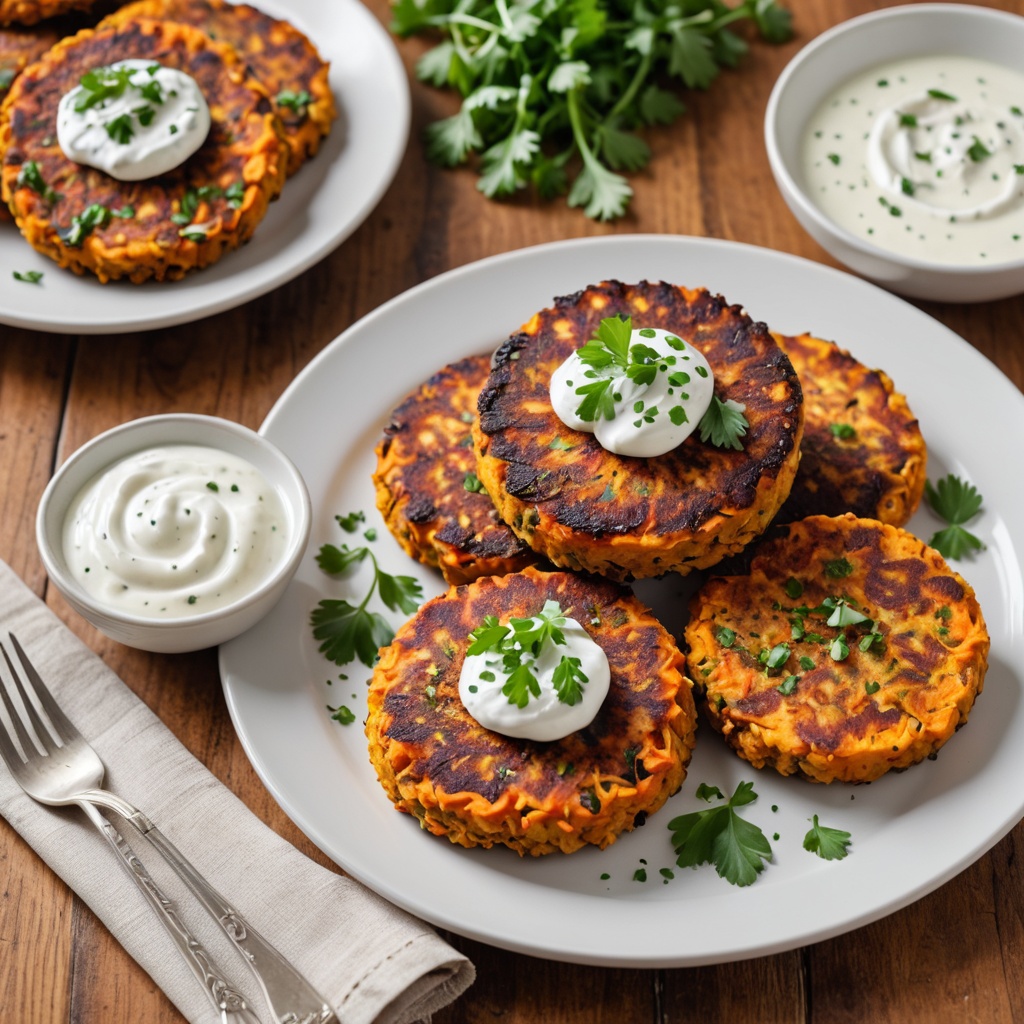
(827, 843)
(737, 848)
(553, 93)
(28, 276)
(346, 631)
(957, 502)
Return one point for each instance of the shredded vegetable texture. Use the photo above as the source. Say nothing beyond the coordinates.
(554, 91)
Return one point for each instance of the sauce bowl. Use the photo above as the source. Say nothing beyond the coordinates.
(184, 632)
(835, 57)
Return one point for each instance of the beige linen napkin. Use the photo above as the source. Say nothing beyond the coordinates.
(373, 962)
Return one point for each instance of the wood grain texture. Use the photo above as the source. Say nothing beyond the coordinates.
(956, 955)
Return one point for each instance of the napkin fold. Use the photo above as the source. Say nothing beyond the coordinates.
(374, 963)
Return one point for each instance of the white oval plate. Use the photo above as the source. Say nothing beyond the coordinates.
(318, 209)
(911, 831)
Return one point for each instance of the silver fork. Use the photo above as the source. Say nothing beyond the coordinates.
(62, 769)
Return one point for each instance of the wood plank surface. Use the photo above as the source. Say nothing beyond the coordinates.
(955, 955)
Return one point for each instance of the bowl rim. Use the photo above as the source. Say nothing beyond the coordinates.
(51, 548)
(796, 193)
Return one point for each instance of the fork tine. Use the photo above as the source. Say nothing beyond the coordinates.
(63, 729)
(17, 724)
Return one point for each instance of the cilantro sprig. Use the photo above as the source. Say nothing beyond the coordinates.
(957, 502)
(517, 645)
(348, 632)
(554, 94)
(737, 848)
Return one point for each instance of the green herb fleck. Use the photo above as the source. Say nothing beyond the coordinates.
(28, 276)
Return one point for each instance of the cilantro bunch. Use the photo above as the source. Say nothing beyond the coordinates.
(518, 645)
(555, 90)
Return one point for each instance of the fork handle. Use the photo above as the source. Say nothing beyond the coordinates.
(292, 999)
(227, 1002)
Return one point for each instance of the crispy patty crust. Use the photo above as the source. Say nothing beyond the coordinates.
(786, 693)
(280, 56)
(862, 449)
(228, 182)
(479, 788)
(30, 12)
(426, 482)
(585, 508)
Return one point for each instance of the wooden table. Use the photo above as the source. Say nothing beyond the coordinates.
(957, 954)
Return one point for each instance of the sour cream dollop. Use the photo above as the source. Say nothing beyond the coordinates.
(175, 531)
(924, 157)
(648, 419)
(149, 120)
(544, 718)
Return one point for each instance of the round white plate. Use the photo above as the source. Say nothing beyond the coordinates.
(911, 831)
(318, 209)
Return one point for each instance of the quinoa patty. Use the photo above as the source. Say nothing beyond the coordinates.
(226, 185)
(587, 508)
(280, 56)
(862, 449)
(479, 788)
(783, 688)
(426, 482)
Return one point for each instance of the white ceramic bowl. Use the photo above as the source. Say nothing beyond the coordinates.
(193, 632)
(836, 56)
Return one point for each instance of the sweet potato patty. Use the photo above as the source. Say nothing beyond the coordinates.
(280, 56)
(862, 449)
(29, 12)
(426, 482)
(586, 508)
(145, 232)
(479, 788)
(847, 702)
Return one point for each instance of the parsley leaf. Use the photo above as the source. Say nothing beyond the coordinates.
(519, 644)
(297, 102)
(957, 502)
(349, 632)
(83, 224)
(567, 680)
(31, 177)
(723, 424)
(28, 276)
(827, 843)
(737, 848)
(553, 93)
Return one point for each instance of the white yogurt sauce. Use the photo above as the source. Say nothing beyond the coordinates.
(649, 419)
(154, 119)
(544, 718)
(174, 531)
(924, 157)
